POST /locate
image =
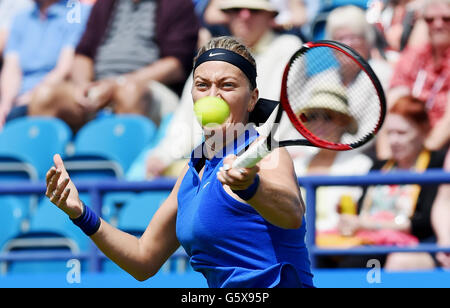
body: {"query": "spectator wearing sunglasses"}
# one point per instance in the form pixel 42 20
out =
pixel 424 72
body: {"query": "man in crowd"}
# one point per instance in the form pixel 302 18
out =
pixel 127 48
pixel 39 53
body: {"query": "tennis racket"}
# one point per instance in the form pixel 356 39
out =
pixel 330 97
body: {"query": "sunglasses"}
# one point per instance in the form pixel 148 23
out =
pixel 430 20
pixel 239 9
pixel 323 115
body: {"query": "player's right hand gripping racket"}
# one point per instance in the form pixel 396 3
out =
pixel 331 96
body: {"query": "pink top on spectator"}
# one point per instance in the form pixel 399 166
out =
pixel 427 80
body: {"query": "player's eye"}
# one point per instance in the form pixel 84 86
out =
pixel 312 116
pixel 228 85
pixel 201 85
pixel 327 117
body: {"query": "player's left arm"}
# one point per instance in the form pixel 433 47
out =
pixel 277 198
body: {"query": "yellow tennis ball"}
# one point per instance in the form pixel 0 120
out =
pixel 211 111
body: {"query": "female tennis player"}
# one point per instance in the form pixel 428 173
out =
pixel 240 227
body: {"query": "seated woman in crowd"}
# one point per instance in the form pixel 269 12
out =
pixel 423 72
pixel 315 161
pixel 400 214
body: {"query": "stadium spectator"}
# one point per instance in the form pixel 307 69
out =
pixel 440 216
pixel 213 15
pixel 425 72
pixel 315 161
pixel 128 51
pixel 398 25
pixel 312 11
pixel 439 137
pixel 400 214
pixel 39 53
pixel 213 21
pixel 251 22
pixel 262 206
pixel 348 25
pixel 8 10
pixel 291 14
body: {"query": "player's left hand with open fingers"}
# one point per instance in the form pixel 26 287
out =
pixel 61 191
pixel 236 178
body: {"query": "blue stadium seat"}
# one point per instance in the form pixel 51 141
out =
pixel 40 266
pixel 113 202
pixel 106 147
pixel 136 171
pixel 162 129
pixel 11 215
pixel 27 146
pixel 34 141
pixel 329 5
pixel 137 212
pixel 328 61
pixel 92 167
pixel 50 230
pixel 49 219
pixel 14 170
pixel 134 217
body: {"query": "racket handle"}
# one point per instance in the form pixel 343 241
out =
pixel 252 156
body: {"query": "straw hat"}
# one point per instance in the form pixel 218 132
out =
pixel 334 98
pixel 264 5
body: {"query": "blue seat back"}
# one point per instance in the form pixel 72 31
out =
pixel 11 215
pixel 92 167
pixel 137 213
pixel 35 140
pixel 162 129
pixel 48 218
pixel 41 266
pixel 134 216
pixel 113 202
pixel 329 5
pixel 117 138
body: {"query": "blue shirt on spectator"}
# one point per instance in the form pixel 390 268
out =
pixel 38 41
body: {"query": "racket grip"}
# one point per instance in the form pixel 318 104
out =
pixel 252 156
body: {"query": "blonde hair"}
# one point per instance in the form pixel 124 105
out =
pixel 352 17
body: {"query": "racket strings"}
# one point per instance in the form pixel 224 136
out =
pixel 332 97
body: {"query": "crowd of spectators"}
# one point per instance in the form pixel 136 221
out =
pixel 76 60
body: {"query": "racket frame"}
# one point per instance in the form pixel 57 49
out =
pixel 264 146
pixel 312 140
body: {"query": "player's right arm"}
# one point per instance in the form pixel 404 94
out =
pixel 141 258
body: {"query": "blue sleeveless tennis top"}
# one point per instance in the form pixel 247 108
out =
pixel 228 241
